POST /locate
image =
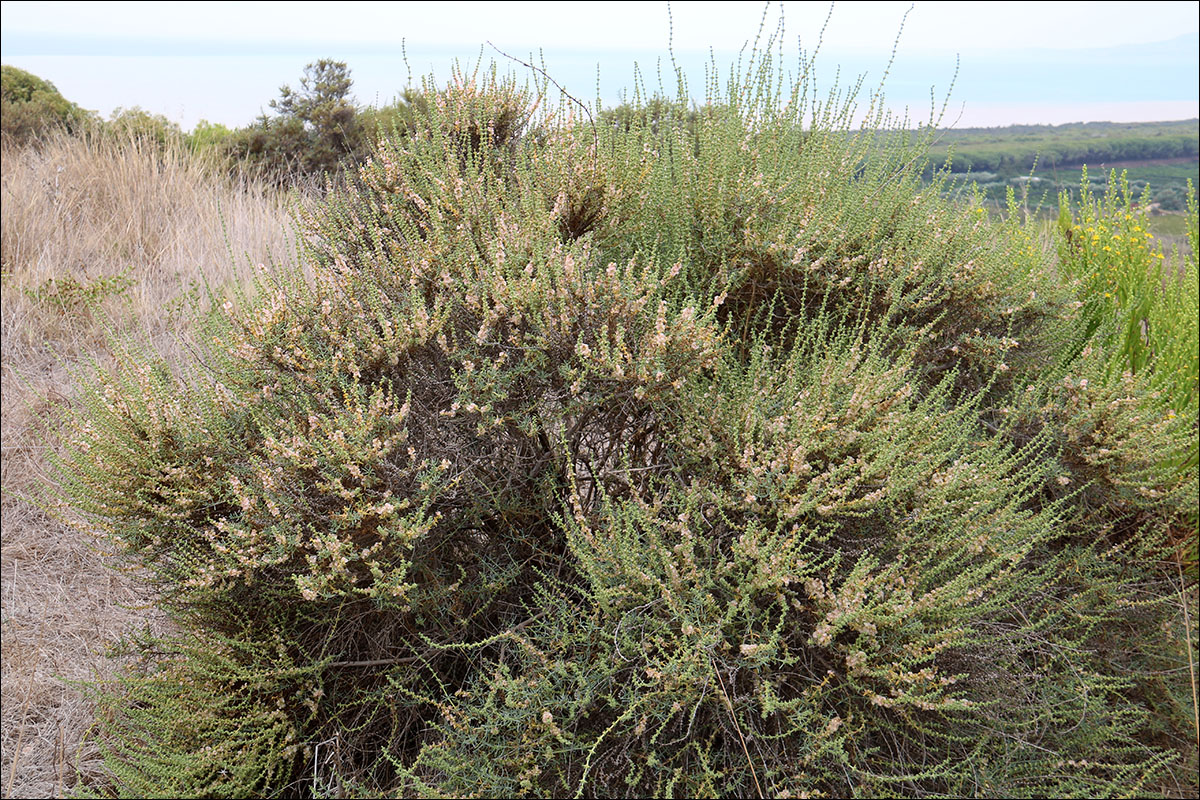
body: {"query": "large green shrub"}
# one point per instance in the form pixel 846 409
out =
pixel 701 454
pixel 30 106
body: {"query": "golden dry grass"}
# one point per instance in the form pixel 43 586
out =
pixel 99 235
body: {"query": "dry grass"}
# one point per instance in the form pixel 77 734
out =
pixel 98 235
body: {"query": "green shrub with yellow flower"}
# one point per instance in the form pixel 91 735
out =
pixel 1140 306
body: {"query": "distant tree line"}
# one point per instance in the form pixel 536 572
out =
pixel 1008 157
pixel 314 130
pixel 1014 149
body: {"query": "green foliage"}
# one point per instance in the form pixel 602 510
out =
pixel 1170 199
pixel 218 738
pixel 314 129
pixel 137 123
pixel 1015 149
pixel 394 119
pixel 1140 314
pixel 323 100
pixel 317 129
pixel 212 141
pixel 651 114
pixel 1041 160
pixel 71 295
pixel 697 454
pixel 33 106
pixel 30 106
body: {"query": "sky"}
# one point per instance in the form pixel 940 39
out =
pixel 1017 62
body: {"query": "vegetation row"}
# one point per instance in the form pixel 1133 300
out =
pixel 1019 147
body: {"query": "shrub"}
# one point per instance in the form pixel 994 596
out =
pixel 137 123
pixel 30 106
pixel 646 460
pixel 1140 317
pixel 317 129
pixel 379 122
pixel 212 141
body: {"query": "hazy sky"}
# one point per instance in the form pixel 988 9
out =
pixel 1021 61
pixel 698 25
